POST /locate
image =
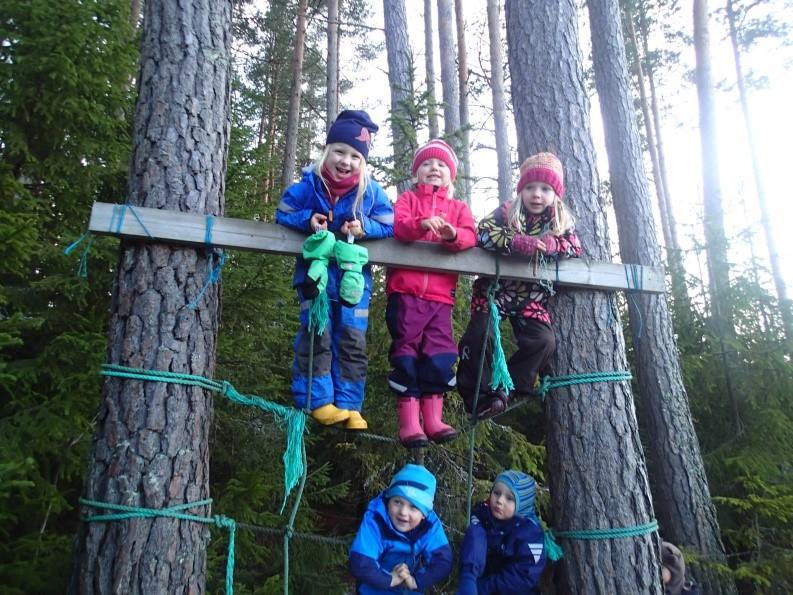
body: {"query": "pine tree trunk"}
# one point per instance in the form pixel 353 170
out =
pixel 669 204
pixel 715 238
pixel 674 259
pixel 332 95
pixel 681 489
pixel 660 191
pixel 134 13
pixel 446 49
pixel 598 478
pixel 150 448
pixel 714 214
pixel 429 55
pixel 293 115
pixel 401 82
pixel 765 219
pixel 462 74
pixel 505 191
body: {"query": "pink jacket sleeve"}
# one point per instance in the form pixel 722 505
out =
pixel 466 230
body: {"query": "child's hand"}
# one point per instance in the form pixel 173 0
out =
pixel 353 228
pixel 397 573
pixel 551 245
pixel 433 224
pixel 448 232
pixel 408 580
pixel 319 222
pixel 403 572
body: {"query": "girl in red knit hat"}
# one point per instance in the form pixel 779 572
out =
pixel 535 225
pixel 419 311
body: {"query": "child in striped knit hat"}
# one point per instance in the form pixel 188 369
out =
pixel 503 549
pixel 419 310
pixel 534 226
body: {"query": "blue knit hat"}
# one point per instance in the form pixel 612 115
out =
pixel 354 128
pixel 523 487
pixel 416 485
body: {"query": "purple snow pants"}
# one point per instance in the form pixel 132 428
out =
pixel 423 351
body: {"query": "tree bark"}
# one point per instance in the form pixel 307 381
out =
pixel 293 115
pixel 150 448
pixel 765 219
pixel 451 104
pixel 681 489
pixel 462 74
pixel 332 95
pixel 598 477
pixel 505 191
pixel 401 82
pixel 429 55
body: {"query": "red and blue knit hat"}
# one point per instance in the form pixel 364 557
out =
pixel 354 128
pixel 435 149
pixel 415 484
pixel 545 168
pixel 524 488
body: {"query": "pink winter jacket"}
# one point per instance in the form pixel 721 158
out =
pixel 411 208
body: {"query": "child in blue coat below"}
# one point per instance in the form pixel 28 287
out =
pixel 401 546
pixel 336 194
pixel 503 550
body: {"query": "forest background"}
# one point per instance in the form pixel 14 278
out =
pixel 67 91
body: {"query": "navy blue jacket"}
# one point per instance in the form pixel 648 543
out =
pixel 379 546
pixel 502 557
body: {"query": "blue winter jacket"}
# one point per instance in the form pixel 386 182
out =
pixel 306 197
pixel 501 557
pixel 379 546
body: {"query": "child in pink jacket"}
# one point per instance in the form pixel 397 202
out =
pixel 419 311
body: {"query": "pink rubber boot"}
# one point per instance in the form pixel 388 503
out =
pixel 410 433
pixel 432 412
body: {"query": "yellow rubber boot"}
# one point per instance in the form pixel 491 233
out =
pixel 356 422
pixel 329 414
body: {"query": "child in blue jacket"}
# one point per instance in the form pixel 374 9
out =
pixel 503 549
pixel 336 194
pixel 401 546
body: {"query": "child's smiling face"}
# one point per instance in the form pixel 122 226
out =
pixel 403 514
pixel 536 197
pixel 434 171
pixel 501 502
pixel 342 161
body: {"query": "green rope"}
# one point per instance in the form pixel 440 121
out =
pixel 499 371
pixel 318 313
pixel 614 533
pixel 82 268
pixel 500 376
pixel 552 549
pixel 551 382
pixel 124 512
pixel 292 421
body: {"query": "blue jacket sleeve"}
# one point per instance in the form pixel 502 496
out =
pixel 364 553
pixel 439 553
pixel 379 221
pixel 296 207
pixel 522 574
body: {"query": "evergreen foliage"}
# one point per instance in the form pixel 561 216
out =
pixel 64 105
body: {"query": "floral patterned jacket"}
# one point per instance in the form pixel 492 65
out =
pixel 515 298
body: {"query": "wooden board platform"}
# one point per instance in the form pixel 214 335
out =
pixel 189 229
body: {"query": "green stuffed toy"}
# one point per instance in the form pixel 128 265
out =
pixel 350 258
pixel 317 249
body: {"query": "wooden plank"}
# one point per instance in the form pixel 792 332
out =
pixel 241 234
